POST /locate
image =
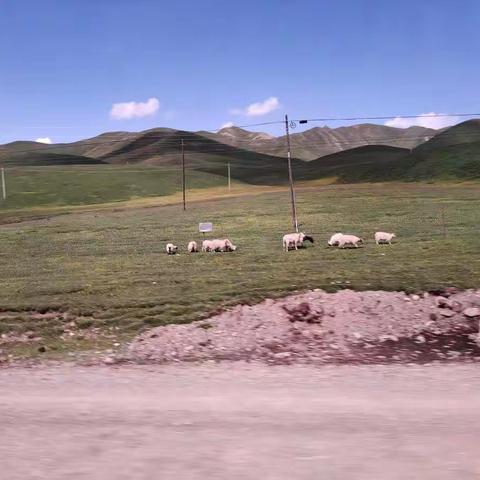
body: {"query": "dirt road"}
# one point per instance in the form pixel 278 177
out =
pixel 238 421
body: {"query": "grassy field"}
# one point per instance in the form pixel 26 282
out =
pixel 87 185
pixel 108 270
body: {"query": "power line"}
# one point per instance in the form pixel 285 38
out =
pixel 387 117
pixel 277 122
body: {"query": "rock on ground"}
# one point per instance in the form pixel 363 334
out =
pixel 320 327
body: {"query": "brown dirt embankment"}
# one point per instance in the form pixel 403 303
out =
pixel 319 327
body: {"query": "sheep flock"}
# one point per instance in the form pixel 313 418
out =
pixel 290 241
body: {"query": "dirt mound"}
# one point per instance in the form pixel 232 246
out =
pixel 320 327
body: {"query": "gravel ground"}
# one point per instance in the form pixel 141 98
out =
pixel 240 421
pixel 319 327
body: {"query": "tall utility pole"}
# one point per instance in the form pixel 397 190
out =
pixel 183 174
pixel 4 187
pixel 290 178
pixel 229 183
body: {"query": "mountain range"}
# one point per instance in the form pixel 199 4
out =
pixel 320 141
pixel 364 152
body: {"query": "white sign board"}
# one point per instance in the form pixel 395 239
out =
pixel 205 227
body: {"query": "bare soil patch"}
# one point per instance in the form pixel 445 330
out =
pixel 320 327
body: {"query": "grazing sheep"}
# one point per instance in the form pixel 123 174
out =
pixel 349 240
pixel 334 239
pixel 229 246
pixel 295 240
pixel 171 249
pixel 218 245
pixel 384 237
pixel 208 246
pixel 192 247
pixel 223 245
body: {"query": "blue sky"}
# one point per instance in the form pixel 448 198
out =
pixel 64 64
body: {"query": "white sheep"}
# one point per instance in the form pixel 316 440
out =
pixel 208 246
pixel 295 240
pixel 171 249
pixel 228 245
pixel 384 237
pixel 334 239
pixel 223 245
pixel 192 247
pixel 349 240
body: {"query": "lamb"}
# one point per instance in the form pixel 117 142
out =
pixel 171 249
pixel 192 247
pixel 349 240
pixel 384 237
pixel 334 239
pixel 296 240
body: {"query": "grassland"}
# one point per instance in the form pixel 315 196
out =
pixel 108 269
pixel 30 187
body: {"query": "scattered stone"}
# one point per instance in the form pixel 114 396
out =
pixel 108 360
pixel 42 349
pixel 420 339
pixel 282 355
pixel 415 297
pixel 447 313
pixel 456 306
pixel 472 312
pixel 384 338
pixel 441 302
pixel 304 313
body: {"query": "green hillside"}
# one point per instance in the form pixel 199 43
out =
pixel 362 164
pixel 162 147
pixel 463 133
pixel 46 158
pixel 454 162
pixel 453 154
pixel 87 185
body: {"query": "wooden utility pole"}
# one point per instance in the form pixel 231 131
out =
pixel 183 175
pixel 4 186
pixel 290 178
pixel 229 183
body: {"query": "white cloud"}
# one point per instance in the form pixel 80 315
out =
pixel 428 120
pixel 226 125
pixel 47 140
pixel 259 108
pixel 126 110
